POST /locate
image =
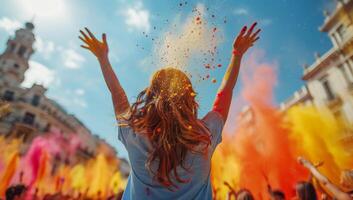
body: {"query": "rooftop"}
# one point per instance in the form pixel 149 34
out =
pixel 343 7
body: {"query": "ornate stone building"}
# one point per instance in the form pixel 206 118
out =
pixel 31 112
pixel 329 80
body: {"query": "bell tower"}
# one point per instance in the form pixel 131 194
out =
pixel 14 61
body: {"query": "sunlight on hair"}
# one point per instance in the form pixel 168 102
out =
pixel 44 9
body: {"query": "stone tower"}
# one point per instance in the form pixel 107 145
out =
pixel 14 61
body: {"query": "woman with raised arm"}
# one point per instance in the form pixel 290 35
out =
pixel 169 148
pixel 336 192
pixel 100 50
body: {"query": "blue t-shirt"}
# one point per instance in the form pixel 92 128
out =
pixel 140 183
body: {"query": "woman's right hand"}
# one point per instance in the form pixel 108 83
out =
pixel 98 48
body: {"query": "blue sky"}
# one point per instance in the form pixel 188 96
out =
pixel 289 37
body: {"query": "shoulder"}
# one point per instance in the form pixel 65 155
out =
pixel 214 122
pixel 213 118
pixel 124 129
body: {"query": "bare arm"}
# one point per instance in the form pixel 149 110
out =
pixel 119 98
pixel 242 43
pixel 100 50
pixel 336 192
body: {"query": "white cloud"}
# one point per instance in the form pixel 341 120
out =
pixel 9 25
pixel 265 22
pixel 45 48
pixel 241 11
pixel 80 102
pixel 137 17
pixel 80 91
pixel 72 59
pixel 245 12
pixel 68 98
pixel 44 10
pixel 38 73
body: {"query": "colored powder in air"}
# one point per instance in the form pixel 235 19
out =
pixel 260 148
pixel 34 161
pixel 187 41
pixel 9 173
pixel 318 134
pixel 117 183
pixel 100 176
pixel 78 178
pixel 42 169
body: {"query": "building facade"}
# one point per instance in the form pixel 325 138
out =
pixel 329 80
pixel 31 112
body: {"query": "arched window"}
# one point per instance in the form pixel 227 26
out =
pixel 328 89
pixel 35 100
pixel 29 118
pixel 21 51
pixel 8 95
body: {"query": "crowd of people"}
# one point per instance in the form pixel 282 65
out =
pixel 20 192
pixel 318 186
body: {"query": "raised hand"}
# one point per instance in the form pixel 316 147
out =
pixel 245 39
pixel 305 162
pixel 336 192
pixel 241 44
pixel 319 164
pixel 98 48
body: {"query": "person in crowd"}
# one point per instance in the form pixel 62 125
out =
pixel 232 192
pixel 244 194
pixel 277 195
pixel 119 195
pixel 16 192
pixel 169 148
pixel 336 192
pixel 346 180
pixel 274 194
pixel 305 191
pixel 215 192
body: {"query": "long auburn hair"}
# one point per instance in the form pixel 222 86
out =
pixel 166 112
